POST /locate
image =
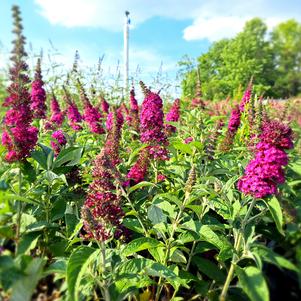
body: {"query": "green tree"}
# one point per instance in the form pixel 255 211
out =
pixel 229 64
pixel 286 45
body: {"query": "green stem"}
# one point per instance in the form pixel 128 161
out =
pixel 19 211
pixel 237 244
pixel 106 294
pixel 134 209
pixel 168 246
pixel 190 255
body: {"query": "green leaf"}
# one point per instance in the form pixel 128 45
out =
pixel 182 147
pixel 253 283
pixel 28 242
pixel 68 157
pixel 158 253
pixel 276 212
pixel 25 286
pixel 274 258
pixel 132 224
pixel 128 283
pixel 177 256
pixel 140 244
pixel 156 215
pixel 21 198
pixel 140 185
pixel 134 265
pixel 159 270
pixel 40 157
pixel 58 267
pixel 170 197
pixel 209 268
pixel 76 267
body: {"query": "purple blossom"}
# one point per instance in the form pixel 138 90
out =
pixel 59 141
pixel 74 116
pixel 152 125
pixel 18 136
pixel 234 121
pixel 38 97
pixel 109 121
pixel 102 213
pixel 265 171
pixel 246 97
pixel 38 94
pixel 173 115
pixel 93 117
pixel 57 116
pixel 139 170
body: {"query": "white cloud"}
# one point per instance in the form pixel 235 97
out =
pixel 212 19
pixel 225 19
pixel 109 14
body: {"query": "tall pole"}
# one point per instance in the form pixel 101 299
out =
pixel 126 52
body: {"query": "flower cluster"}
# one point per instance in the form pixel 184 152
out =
pixel 134 111
pixel 59 140
pixel 57 116
pixel 151 124
pixel 139 170
pixel 114 125
pixel 173 115
pixel 246 97
pixel 104 106
pixel 212 140
pixel 119 119
pixel 38 94
pixel 233 126
pixel 234 121
pixel 197 101
pixel 102 213
pixel 73 114
pixel 265 171
pixel 18 136
pixel 91 115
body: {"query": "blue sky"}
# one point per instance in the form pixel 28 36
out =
pixel 161 30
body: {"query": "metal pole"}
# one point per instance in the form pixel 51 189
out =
pixel 126 53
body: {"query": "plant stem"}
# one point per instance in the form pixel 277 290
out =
pixel 190 255
pixel 132 206
pixel 237 244
pixel 105 287
pixel 19 211
pixel 168 246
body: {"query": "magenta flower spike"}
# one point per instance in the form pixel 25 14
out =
pixel 18 136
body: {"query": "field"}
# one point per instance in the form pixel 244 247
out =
pixel 146 199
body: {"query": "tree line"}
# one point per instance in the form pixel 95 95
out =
pixel 272 59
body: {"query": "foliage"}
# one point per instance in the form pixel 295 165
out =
pixel 185 232
pixel 274 63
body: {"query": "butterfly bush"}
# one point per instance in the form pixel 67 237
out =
pixel 57 116
pixel 102 213
pixel 59 140
pixel 246 97
pixel 234 121
pixel 38 94
pixel 18 136
pixel 265 172
pixel 134 111
pixel 105 107
pixel 138 171
pixel 233 125
pixel 173 115
pixel 73 114
pixel 111 148
pixel 91 115
pixel 110 119
pixel 152 125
